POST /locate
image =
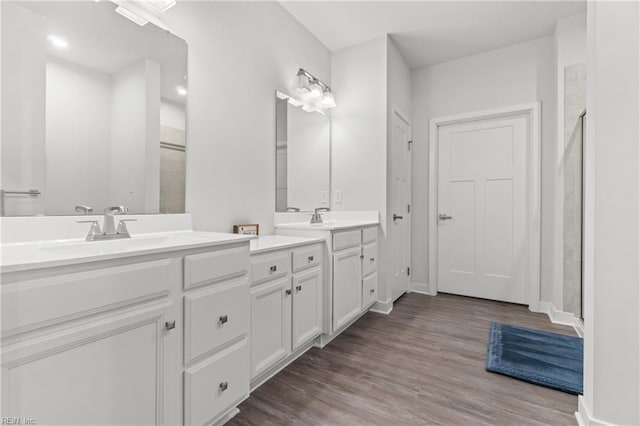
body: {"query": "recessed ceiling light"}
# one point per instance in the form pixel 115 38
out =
pixel 58 42
pixel 131 16
pixel 181 91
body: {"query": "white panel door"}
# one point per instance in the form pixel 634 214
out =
pixel 400 227
pixel 307 306
pixel 347 285
pixel 482 249
pixel 270 324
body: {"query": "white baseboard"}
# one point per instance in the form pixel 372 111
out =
pixel 382 307
pixel 560 317
pixel 584 416
pixel 421 288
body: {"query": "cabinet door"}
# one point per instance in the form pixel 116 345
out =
pixel 307 306
pixel 270 324
pixel 347 286
pixel 108 372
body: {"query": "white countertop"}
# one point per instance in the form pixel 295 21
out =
pixel 45 254
pixel 274 242
pixel 328 225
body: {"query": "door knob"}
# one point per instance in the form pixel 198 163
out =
pixel 444 217
pixel 396 217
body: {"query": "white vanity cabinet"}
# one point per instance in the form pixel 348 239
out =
pixel 286 304
pixel 96 346
pixel 149 339
pixel 352 270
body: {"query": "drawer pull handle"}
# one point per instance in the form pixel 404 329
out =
pixel 224 386
pixel 170 325
pixel 273 268
pixel 373 259
pixel 372 291
pixel 287 292
pixel 299 288
pixel 224 319
pixel 310 258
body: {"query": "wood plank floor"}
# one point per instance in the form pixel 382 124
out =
pixel 422 364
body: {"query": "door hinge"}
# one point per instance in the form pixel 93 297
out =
pixel 408 208
pixel 408 271
pixel 409 145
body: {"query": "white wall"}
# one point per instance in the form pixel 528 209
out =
pixel 512 75
pixel 358 127
pixel 23 128
pixel 135 136
pixel 172 114
pixel 78 109
pixel 239 54
pixel 570 45
pixel 612 240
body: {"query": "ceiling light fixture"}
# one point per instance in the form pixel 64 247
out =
pixel 313 90
pixel 131 16
pixel 58 42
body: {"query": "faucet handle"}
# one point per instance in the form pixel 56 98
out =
pixel 122 226
pixel 94 230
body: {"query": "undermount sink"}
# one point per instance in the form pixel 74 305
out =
pixel 101 247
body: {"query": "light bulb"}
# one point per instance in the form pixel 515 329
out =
pixel 327 101
pixel 315 90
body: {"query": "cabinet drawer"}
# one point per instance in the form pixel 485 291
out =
pixel 206 268
pixel 370 259
pixel 369 235
pixel 215 385
pixel 271 265
pixel 214 316
pixel 369 290
pixel 346 239
pixel 306 257
pixel 28 305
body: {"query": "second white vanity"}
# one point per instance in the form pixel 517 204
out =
pixel 351 270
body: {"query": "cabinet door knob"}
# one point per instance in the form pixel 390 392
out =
pixel 273 268
pixel 299 287
pixel 373 259
pixel 224 319
pixel 362 256
pixel 310 258
pixel 170 325
pixel 287 292
pixel 224 386
pixel 372 291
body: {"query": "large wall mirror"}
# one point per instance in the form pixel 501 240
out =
pixel 93 111
pixel 303 150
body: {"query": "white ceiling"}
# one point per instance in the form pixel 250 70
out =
pixel 431 32
pixel 102 40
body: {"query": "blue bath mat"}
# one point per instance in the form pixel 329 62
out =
pixel 539 357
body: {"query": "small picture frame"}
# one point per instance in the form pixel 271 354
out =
pixel 247 229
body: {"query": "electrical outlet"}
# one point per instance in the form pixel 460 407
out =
pixel 338 197
pixel 324 197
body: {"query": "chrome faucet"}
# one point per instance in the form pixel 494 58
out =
pixel 110 231
pixel 84 209
pixel 316 217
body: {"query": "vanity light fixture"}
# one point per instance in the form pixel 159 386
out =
pixel 131 16
pixel 181 91
pixel 58 42
pixel 313 90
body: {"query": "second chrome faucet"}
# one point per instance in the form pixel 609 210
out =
pixel 111 232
